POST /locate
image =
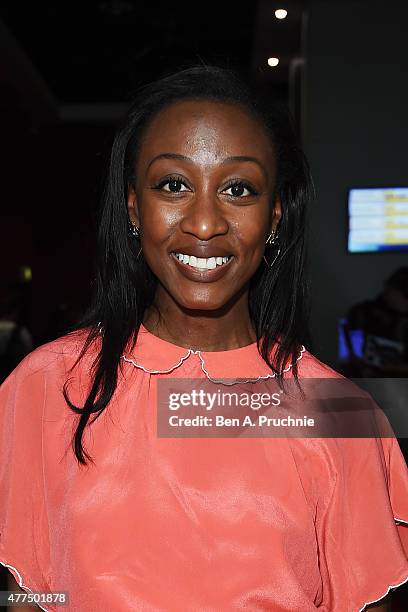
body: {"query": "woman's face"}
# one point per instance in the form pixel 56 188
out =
pixel 205 179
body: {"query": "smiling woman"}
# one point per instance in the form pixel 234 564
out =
pixel 214 196
pixel 201 279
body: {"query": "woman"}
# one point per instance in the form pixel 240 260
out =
pixel 201 276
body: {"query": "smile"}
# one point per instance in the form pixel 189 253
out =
pixel 202 263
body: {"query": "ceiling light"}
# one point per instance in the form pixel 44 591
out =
pixel 281 13
pixel 273 61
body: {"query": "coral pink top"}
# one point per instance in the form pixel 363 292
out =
pixel 193 524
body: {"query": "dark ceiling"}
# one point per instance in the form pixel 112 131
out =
pixel 99 51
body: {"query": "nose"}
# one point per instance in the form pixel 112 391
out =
pixel 205 217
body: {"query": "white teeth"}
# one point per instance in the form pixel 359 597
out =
pixel 202 263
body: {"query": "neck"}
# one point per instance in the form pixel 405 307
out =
pixel 220 329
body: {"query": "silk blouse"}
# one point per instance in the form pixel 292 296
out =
pixel 189 524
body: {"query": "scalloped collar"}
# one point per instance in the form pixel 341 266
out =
pixel 156 356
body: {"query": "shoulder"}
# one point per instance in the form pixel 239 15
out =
pixel 54 357
pixel 348 419
pixel 34 391
pixel 309 366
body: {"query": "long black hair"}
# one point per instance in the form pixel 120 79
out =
pixel 125 286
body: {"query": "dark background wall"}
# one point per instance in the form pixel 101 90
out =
pixel 356 134
pixel 67 73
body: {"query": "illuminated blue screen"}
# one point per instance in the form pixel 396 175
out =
pixel 378 219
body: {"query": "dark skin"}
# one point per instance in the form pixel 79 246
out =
pixel 198 208
pixel 204 211
pixel 201 210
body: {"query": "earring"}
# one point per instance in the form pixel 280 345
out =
pixel 271 238
pixel 134 230
pixel 271 241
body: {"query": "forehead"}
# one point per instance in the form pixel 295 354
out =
pixel 221 127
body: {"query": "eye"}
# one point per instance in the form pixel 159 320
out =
pixel 172 184
pixel 239 189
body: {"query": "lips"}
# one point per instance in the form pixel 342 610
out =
pixel 202 274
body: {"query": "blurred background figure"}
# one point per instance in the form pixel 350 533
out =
pixel 376 331
pixel 15 339
pixel 374 344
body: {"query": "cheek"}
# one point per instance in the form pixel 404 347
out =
pixel 158 222
pixel 249 231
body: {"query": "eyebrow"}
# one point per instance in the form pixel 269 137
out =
pixel 227 160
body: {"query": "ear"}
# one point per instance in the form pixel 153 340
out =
pixel 132 206
pixel 277 213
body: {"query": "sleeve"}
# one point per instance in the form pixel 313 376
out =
pixel 362 530
pixel 24 533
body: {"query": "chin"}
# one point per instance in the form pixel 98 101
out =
pixel 195 303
